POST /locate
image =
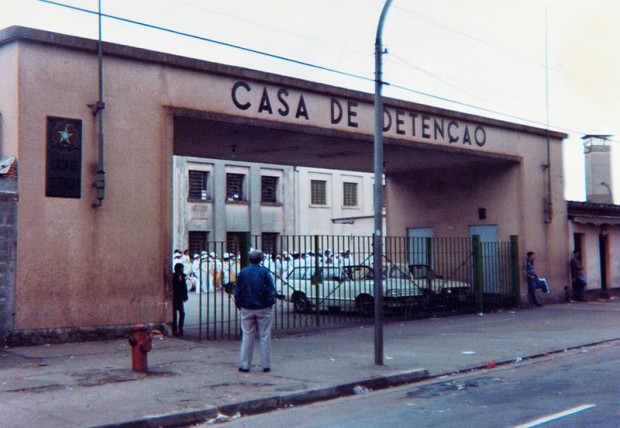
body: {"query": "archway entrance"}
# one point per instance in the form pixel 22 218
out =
pixel 232 147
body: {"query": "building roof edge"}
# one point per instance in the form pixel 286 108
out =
pixel 32 35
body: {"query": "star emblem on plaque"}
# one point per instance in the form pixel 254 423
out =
pixel 63 165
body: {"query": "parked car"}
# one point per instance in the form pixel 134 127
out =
pixel 344 287
pixel 438 288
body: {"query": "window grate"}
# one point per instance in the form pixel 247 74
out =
pixel 234 187
pixel 197 242
pixel 197 188
pixel 269 189
pixel 349 194
pixel 233 242
pixel 270 243
pixel 318 192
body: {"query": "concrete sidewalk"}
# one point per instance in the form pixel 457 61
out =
pixel 91 384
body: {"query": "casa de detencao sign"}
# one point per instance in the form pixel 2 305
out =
pixel 262 101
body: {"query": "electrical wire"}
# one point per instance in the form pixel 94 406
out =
pixel 276 29
pixel 318 67
pixel 439 79
pixel 206 39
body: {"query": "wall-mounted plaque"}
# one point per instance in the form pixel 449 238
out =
pixel 63 165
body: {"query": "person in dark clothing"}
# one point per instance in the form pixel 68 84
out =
pixel 533 280
pixel 579 279
pixel 255 295
pixel 179 296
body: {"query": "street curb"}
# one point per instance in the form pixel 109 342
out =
pixel 521 359
pixel 269 404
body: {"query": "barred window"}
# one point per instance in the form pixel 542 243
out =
pixel 234 187
pixel 197 241
pixel 349 194
pixel 269 243
pixel 197 188
pixel 318 192
pixel 269 189
pixel 233 242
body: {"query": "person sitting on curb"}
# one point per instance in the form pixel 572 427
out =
pixel 533 280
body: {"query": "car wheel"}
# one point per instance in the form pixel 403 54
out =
pixel 365 305
pixel 301 303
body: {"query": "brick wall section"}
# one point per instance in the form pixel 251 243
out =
pixel 8 255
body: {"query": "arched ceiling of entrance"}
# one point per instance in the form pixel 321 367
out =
pixel 312 147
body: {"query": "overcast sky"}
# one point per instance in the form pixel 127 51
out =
pixel 485 53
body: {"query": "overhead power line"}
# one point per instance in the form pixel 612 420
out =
pixel 206 39
pixel 314 66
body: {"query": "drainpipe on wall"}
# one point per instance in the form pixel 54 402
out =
pixel 547 167
pixel 98 108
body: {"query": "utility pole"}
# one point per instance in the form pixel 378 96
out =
pixel 378 192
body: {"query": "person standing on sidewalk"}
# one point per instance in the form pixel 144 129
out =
pixel 533 280
pixel 255 295
pixel 179 297
pixel 579 279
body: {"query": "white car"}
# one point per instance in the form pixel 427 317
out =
pixel 344 287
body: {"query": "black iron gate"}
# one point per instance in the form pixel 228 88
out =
pixel 328 280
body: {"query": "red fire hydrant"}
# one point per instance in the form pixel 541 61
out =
pixel 140 341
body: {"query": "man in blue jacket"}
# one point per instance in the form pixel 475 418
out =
pixel 255 295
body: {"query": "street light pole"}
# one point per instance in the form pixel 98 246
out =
pixel 378 193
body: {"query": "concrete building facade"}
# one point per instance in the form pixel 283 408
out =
pixel 214 199
pixel 447 173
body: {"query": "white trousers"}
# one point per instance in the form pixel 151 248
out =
pixel 255 322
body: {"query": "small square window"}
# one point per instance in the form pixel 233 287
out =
pixel 234 187
pixel 318 194
pixel 269 189
pixel 197 186
pixel 197 241
pixel 349 194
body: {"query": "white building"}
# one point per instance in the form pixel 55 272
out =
pixel 218 200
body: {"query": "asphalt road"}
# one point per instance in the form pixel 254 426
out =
pixel 579 388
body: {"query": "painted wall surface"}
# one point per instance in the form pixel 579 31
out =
pixel 513 195
pixel 313 219
pixel 252 215
pixel 249 215
pixel 9 133
pixel 71 257
pixel 599 183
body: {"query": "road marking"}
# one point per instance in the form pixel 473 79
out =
pixel 555 416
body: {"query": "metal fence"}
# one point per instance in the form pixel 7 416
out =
pixel 326 281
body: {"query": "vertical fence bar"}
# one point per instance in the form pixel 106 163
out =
pixel 514 269
pixel 476 245
pixel 316 281
pixel 200 299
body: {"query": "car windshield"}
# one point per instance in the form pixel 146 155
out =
pixel 419 271
pixel 357 273
pixel 395 272
pixel 338 274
